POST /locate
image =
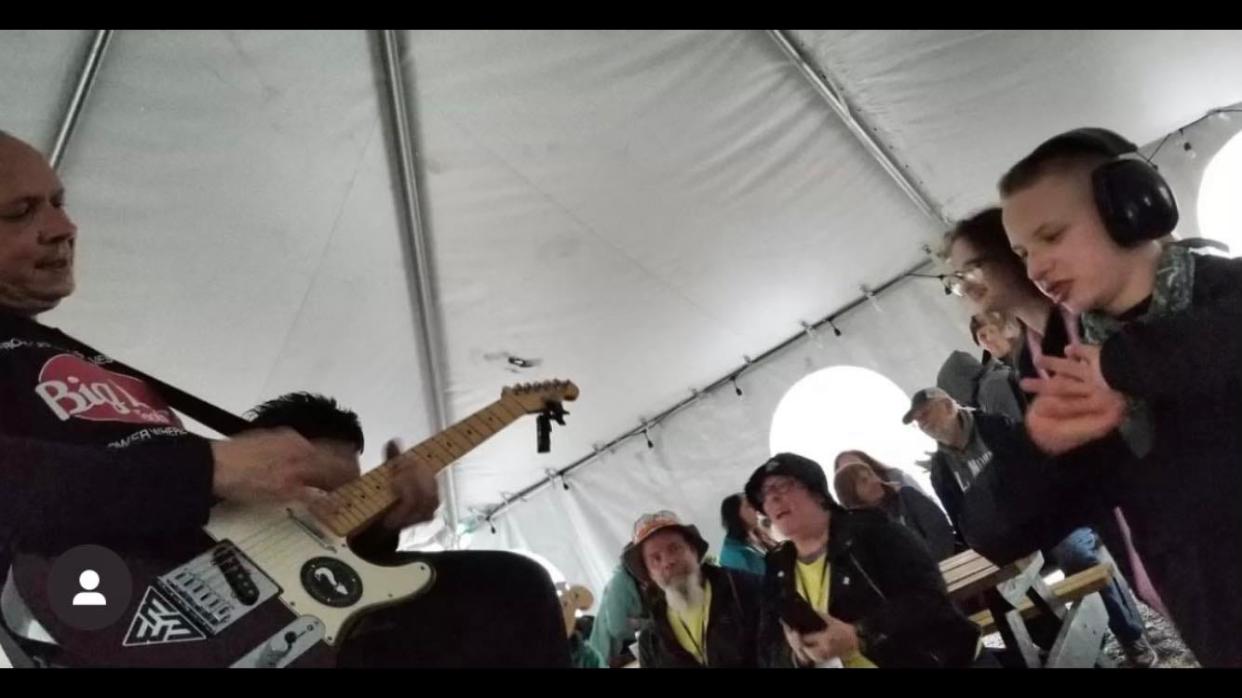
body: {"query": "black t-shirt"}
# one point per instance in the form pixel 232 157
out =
pixel 88 452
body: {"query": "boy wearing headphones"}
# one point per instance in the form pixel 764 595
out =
pixel 1156 376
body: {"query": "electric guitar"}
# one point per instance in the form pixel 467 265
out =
pixel 269 586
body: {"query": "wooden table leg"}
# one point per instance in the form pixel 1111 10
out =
pixel 1013 631
pixel 1080 643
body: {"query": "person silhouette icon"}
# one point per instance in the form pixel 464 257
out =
pixel 89 579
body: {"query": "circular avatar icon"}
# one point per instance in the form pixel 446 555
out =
pixel 89 587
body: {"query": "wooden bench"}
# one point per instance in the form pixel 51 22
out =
pixel 1070 589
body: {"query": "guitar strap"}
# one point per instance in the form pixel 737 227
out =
pixel 202 411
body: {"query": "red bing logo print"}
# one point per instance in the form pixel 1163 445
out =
pixel 72 387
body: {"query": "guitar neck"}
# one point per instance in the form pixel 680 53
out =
pixel 361 502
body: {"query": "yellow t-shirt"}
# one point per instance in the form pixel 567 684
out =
pixel 813 580
pixel 690 628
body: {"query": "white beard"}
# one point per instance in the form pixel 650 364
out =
pixel 685 592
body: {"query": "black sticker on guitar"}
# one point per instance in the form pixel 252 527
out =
pixel 158 622
pixel 331 582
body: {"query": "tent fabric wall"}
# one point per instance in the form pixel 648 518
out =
pixel 238 233
pixel 638 210
pixel 960 106
pixel 38 77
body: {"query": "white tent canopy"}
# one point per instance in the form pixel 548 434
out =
pixel 633 210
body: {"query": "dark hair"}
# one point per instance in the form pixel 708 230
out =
pixel 975 326
pixel 876 466
pixel 1056 155
pixel 583 626
pixel 986 233
pixel 731 517
pixel 845 481
pixel 312 416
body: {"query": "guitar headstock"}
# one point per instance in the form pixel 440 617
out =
pixel 573 599
pixel 534 397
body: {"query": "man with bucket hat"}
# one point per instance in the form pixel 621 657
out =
pixel 702 615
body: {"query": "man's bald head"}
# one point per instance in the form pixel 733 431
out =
pixel 36 235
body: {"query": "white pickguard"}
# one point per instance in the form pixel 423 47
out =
pixel 279 546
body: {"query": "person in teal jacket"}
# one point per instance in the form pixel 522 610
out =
pixel 745 541
pixel 581 654
pixel 621 613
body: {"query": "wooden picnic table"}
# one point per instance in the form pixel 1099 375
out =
pixel 1010 591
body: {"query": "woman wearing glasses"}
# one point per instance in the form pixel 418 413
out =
pixel 993 279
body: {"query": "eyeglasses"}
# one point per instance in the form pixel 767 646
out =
pixel 778 487
pixel 972 273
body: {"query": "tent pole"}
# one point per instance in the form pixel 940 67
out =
pixel 419 271
pixel 857 126
pixel 86 81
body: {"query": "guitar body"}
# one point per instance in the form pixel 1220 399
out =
pixel 270 586
pixel 259 587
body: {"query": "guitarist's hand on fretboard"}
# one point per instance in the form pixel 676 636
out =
pixel 415 486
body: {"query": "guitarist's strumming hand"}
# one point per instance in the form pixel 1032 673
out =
pixel 272 465
pixel 415 486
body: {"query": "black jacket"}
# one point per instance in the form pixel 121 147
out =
pixel 918 513
pixel 84 447
pixel 1010 516
pixel 732 626
pixel 885 583
pixel 1018 464
pixel 1181 499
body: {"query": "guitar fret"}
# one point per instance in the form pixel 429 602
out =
pixel 491 420
pixel 369 511
pixel 465 432
pixel 345 517
pixel 426 453
pixel 454 448
pixel 360 502
pixel 507 412
pixel 442 457
pixel 480 426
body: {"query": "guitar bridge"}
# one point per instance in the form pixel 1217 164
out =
pixel 218 587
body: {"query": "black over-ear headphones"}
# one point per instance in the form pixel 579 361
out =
pixel 1134 201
